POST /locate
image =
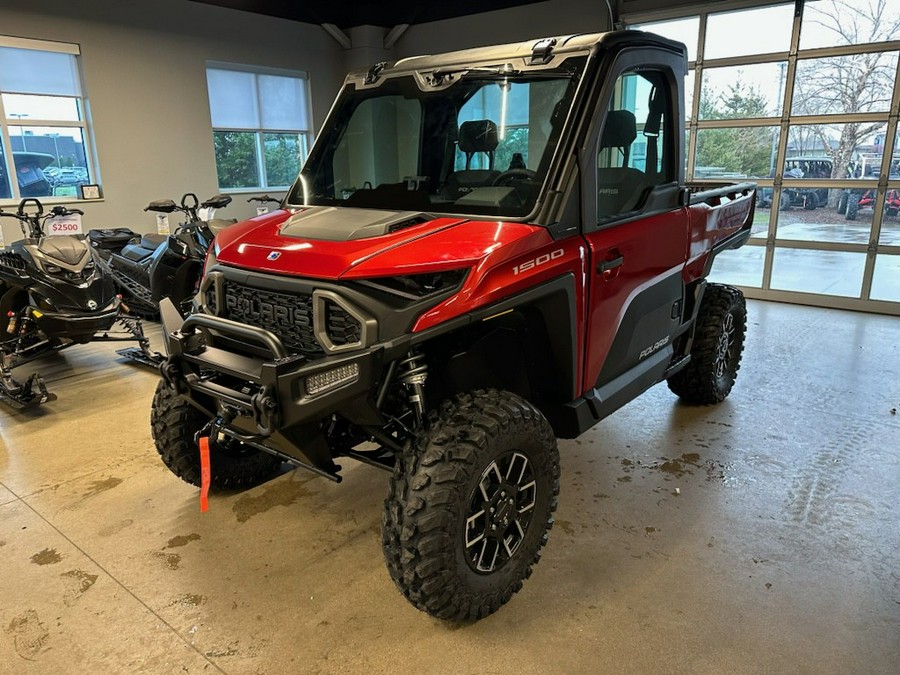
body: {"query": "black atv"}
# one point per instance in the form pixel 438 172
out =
pixel 53 296
pixel 149 267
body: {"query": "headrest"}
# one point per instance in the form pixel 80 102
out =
pixel 620 129
pixel 478 136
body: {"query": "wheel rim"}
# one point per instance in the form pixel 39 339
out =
pixel 724 347
pixel 500 511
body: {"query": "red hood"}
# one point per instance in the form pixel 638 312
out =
pixel 432 246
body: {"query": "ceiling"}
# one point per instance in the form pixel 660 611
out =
pixel 349 13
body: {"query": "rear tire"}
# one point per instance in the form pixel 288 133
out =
pixel 717 347
pixel 174 423
pixel 810 201
pixel 842 203
pixel 785 203
pixel 470 504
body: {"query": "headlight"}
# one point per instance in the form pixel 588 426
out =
pixel 418 286
pixel 51 269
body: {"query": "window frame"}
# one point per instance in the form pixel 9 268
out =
pixel 796 56
pixel 662 197
pixel 83 123
pixel 305 136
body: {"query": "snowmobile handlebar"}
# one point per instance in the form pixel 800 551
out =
pixel 34 221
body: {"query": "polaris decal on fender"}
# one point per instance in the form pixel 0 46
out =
pixel 536 262
pixel 652 348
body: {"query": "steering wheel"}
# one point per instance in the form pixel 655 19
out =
pixel 513 175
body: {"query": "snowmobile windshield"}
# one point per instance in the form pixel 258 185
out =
pixel 475 141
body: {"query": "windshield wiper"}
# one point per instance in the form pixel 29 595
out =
pixel 436 77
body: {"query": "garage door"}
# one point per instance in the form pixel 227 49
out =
pixel 803 98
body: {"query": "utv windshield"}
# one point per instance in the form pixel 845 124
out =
pixel 481 145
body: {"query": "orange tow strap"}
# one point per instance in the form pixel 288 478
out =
pixel 205 474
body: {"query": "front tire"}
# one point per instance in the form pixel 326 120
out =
pixel 852 207
pixel 717 347
pixel 174 423
pixel 470 505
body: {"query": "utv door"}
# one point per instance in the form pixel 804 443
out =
pixel 635 226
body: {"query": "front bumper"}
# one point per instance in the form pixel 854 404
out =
pixel 278 399
pixel 77 327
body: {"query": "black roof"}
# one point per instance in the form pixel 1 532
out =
pixel 349 13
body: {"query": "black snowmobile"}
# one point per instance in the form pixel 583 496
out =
pixel 149 267
pixel 53 296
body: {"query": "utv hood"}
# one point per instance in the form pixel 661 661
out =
pixel 335 242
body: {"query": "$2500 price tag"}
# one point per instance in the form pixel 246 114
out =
pixel 70 224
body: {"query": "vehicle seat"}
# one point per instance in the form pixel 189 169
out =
pixel 216 225
pixel 620 188
pixel 474 136
pixel 152 241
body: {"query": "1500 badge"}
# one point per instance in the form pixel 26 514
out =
pixel 537 262
pixel 652 348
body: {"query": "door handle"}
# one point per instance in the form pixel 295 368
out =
pixel 608 265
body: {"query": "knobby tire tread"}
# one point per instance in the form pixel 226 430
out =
pixel 697 383
pixel 174 422
pixel 428 489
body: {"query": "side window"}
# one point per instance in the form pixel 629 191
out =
pixel 633 154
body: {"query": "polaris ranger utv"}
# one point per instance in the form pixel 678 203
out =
pixel 485 251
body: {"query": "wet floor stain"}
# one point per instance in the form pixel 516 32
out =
pixel 188 600
pixel 170 560
pixel 182 540
pixel 99 486
pixel 48 556
pixel 2 543
pixel 565 526
pixel 77 583
pixel 280 493
pixel 115 528
pixel 29 634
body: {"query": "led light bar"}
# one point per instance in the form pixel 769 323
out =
pixel 331 379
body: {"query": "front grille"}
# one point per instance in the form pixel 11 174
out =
pixel 12 260
pixel 343 329
pixel 288 315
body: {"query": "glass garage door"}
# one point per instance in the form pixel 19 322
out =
pixel 804 100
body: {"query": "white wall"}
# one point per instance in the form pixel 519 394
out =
pixel 143 65
pixel 542 19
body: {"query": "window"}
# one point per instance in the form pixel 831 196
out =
pixel 260 126
pixel 509 104
pixel 632 156
pixel 798 97
pixel 43 127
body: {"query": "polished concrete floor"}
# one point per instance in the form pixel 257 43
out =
pixel 759 536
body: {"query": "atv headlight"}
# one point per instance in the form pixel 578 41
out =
pixel 419 286
pixel 52 269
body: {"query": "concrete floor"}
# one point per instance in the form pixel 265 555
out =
pixel 757 536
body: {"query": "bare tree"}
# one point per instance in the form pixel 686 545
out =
pixel 856 83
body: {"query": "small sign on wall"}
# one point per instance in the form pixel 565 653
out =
pixel 70 224
pixel 162 223
pixel 262 210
